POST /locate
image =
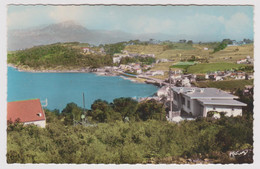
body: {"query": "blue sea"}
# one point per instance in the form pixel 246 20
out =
pixel 62 88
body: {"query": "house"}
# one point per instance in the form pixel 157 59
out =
pixel 185 82
pixel 240 75
pixel 150 55
pixel 154 73
pixel 138 71
pixel 162 60
pixel 116 59
pixel 102 50
pixel 242 61
pixel 85 50
pixel 163 91
pixel 218 78
pixel 206 48
pixel 27 111
pixel 199 101
pixel 215 76
pixel 177 71
pixel 122 66
pixel 176 76
pixel 248 90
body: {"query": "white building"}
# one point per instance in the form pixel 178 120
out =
pixel 241 61
pixel 176 76
pixel 163 91
pixel 218 78
pixel 138 71
pixel 116 59
pixel 240 76
pixel 157 72
pixel 185 82
pixel 199 101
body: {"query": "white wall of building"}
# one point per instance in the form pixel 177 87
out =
pixel 201 110
pixel 41 123
pixel 237 111
pixel 116 59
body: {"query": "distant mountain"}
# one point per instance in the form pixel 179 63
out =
pixel 71 31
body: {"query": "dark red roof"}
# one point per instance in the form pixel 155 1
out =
pixel 26 110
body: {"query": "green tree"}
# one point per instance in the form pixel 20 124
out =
pixel 151 109
pixel 125 106
pixel 103 112
pixel 71 112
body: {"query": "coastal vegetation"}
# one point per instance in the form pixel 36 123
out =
pixel 51 56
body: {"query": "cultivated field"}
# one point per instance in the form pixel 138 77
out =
pixel 210 67
pixel 226 84
pixel 230 54
pixel 221 60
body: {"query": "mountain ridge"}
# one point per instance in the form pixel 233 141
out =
pixel 71 31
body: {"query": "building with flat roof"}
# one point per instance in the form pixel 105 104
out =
pixel 199 101
pixel 27 111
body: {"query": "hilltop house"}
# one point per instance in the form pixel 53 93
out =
pixel 247 60
pixel 27 111
pixel 199 101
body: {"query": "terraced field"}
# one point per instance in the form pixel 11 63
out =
pixel 230 54
pixel 210 67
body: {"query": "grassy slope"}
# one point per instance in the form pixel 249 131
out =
pixel 180 52
pixel 231 51
pixel 226 85
pixel 208 67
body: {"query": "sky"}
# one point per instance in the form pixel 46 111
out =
pixel 212 22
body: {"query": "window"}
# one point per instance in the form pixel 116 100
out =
pixel 39 114
pixel 188 104
pixel 232 109
pixel 183 100
pixel 214 108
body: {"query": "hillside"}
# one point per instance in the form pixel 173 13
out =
pixel 181 51
pixel 62 55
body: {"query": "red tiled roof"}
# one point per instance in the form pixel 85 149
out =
pixel 26 110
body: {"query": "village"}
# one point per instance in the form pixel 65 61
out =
pixel 175 87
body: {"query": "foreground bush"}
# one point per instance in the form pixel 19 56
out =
pixel 127 142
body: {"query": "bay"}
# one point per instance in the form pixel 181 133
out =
pixel 62 88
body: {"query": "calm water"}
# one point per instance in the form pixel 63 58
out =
pixel 63 88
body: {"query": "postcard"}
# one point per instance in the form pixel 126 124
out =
pixel 129 84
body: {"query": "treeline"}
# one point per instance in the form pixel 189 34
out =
pixel 124 109
pixel 57 55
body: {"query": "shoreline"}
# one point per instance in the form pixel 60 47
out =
pixel 86 70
